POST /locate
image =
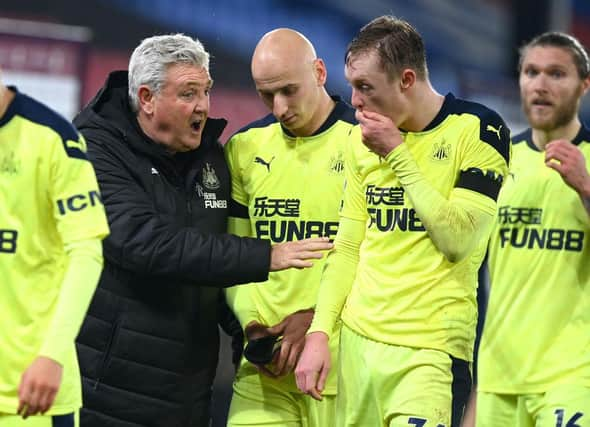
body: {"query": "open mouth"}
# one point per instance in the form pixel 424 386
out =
pixel 196 125
pixel 541 103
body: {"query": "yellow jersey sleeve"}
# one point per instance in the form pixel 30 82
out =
pixel 339 272
pixel 77 207
pixel 353 205
pixel 338 275
pixel 77 288
pixel 455 225
pixel 486 156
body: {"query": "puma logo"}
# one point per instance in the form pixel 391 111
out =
pixel 493 129
pixel 264 162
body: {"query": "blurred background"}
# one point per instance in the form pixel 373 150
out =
pixel 60 51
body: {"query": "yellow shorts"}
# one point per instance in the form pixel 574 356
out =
pixel 562 406
pixel 387 385
pixel 68 420
pixel 258 400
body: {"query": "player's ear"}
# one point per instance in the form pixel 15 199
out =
pixel 408 79
pixel 585 85
pixel 321 73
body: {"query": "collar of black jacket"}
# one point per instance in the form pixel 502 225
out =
pixel 110 110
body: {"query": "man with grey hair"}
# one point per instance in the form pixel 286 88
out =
pixel 148 346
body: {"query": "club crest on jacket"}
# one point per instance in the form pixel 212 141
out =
pixel 210 180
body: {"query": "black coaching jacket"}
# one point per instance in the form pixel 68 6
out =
pixel 149 343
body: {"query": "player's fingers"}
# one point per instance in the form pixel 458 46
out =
pixel 552 159
pixel 321 384
pixel 316 245
pixel 309 255
pixel 367 136
pixel 553 156
pixel 46 399
pixel 31 410
pixel 316 394
pixel 300 379
pixel 33 404
pixel 302 374
pixel 25 393
pixel 292 360
pixel 22 403
pixel 36 397
pixel 299 382
pixel 555 166
pixel 306 381
pixel 283 357
pixel 43 399
pixel 313 392
pixel 22 406
pixel 366 131
pixel 313 240
pixel 373 116
pixel 277 329
pixel 558 152
pixel 359 116
pixel 301 264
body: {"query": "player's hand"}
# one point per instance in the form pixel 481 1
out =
pixel 298 254
pixel 314 364
pixel 379 133
pixel 293 329
pixel 568 160
pixel 256 330
pixel 38 386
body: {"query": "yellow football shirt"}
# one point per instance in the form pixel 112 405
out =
pixel 48 198
pixel 289 188
pixel 405 291
pixel 538 317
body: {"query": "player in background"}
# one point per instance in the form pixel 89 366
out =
pixel 534 359
pixel 423 172
pixel 51 225
pixel 287 178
